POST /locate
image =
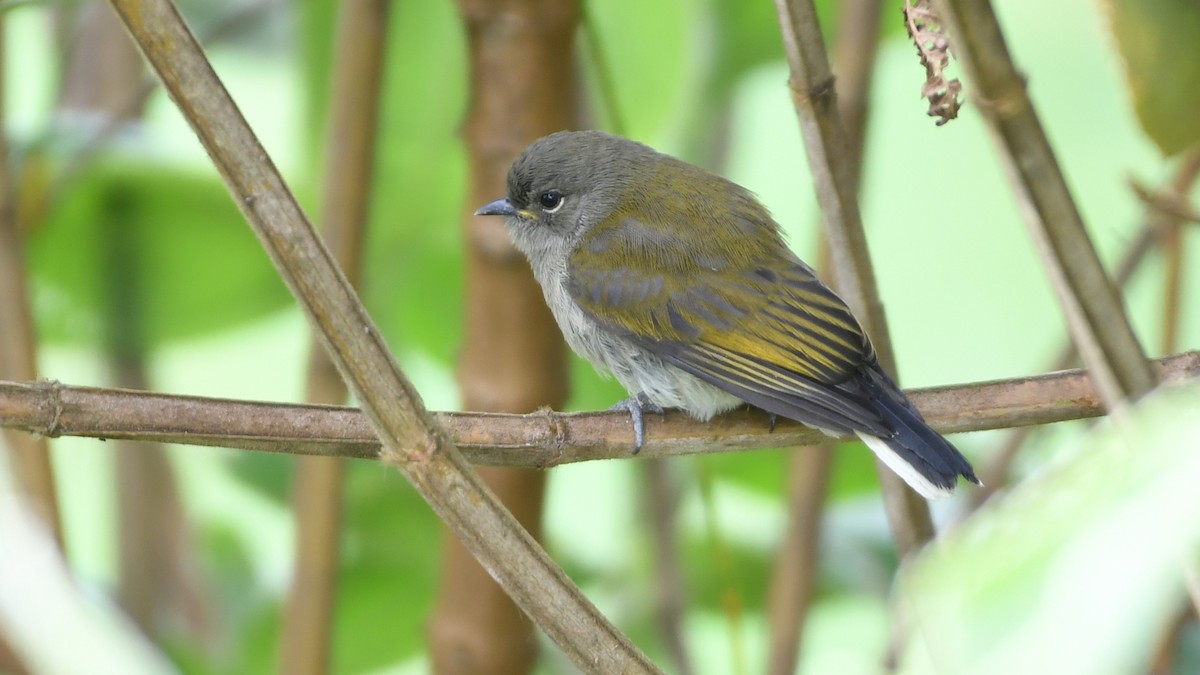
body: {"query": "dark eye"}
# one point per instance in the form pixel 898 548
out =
pixel 551 201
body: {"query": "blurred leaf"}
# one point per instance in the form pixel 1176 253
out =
pixel 1159 42
pixel 854 472
pixel 175 234
pixel 390 571
pixel 748 36
pixel 269 474
pixel 635 35
pixel 1076 572
pixel 710 584
pixel 763 471
pixel 413 268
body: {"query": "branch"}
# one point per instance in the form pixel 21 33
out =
pixel 1090 302
pixel 833 171
pixel 542 439
pixel 318 482
pixel 411 440
pixel 28 457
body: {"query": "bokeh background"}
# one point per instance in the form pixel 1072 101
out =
pixel 965 295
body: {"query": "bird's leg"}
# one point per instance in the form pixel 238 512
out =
pixel 637 405
pixel 772 419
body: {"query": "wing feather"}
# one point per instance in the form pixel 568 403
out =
pixel 742 313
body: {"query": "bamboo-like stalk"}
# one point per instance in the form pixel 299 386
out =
pixel 662 496
pixel 317 486
pixel 512 358
pixel 829 159
pixel 29 456
pixel 542 439
pixel 411 440
pixel 157 581
pixel 1090 303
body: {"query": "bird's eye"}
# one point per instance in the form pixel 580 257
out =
pixel 552 201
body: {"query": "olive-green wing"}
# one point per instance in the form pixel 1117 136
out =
pixel 740 312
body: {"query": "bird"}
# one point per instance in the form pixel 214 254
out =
pixel 680 284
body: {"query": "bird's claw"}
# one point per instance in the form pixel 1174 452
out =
pixel 637 406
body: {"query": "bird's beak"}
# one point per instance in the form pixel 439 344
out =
pixel 500 207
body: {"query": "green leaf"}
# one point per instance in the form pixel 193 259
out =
pixel 1159 42
pixel 149 253
pixel 1078 571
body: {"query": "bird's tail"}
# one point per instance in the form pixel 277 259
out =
pixel 917 453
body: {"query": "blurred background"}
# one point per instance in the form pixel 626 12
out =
pixel 142 273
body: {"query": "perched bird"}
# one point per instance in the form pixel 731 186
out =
pixel 680 284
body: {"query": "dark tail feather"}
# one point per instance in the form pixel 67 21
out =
pixel 925 460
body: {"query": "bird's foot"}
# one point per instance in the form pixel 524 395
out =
pixel 772 419
pixel 637 406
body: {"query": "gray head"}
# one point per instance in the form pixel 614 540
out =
pixel 565 182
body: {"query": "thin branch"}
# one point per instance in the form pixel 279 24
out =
pixel 542 439
pixel 412 441
pixel 1092 307
pixel 794 574
pixel 317 484
pixel 830 161
pixel 1170 227
pixel 662 496
pixel 30 457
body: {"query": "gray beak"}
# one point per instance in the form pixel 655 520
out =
pixel 500 207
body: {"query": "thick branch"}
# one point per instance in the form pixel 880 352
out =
pixel 541 439
pixel 411 439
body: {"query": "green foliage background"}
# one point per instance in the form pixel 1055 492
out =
pixel 965 296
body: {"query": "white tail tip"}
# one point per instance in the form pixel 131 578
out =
pixel 903 469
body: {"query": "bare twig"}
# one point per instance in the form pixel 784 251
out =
pixel 1090 302
pixel 541 439
pixel 663 494
pixel 317 486
pixel 793 578
pixel 833 175
pixel 1170 204
pixel 1170 228
pixel 411 440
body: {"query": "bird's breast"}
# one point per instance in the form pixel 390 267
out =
pixel 636 368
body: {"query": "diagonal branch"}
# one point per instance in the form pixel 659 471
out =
pixel 411 440
pixel 1089 300
pixel 541 439
pixel 833 172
